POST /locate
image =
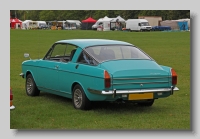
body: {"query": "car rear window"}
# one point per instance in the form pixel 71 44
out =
pixel 113 52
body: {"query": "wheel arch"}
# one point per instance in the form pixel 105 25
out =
pixel 78 83
pixel 29 72
pixel 30 85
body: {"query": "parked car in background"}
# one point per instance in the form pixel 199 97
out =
pixel 89 70
pixel 161 28
pixel 11 100
pixel 43 26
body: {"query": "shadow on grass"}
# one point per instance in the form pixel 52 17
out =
pixel 119 107
pixel 55 98
pixel 106 106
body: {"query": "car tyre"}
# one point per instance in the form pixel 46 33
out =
pixel 31 88
pixel 147 103
pixel 79 99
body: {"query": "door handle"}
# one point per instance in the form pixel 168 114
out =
pixel 77 66
pixel 56 67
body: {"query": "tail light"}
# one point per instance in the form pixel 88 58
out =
pixel 174 77
pixel 107 79
pixel 11 103
pixel 11 97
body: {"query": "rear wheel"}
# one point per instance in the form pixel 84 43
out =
pixel 79 99
pixel 31 88
pixel 146 103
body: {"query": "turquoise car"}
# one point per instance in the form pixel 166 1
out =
pixel 90 70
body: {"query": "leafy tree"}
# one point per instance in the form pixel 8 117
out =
pixel 47 15
pixel 50 15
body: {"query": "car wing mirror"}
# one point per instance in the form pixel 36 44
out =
pixel 26 55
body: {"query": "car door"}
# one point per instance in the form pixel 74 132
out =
pixel 66 70
pixel 49 67
pixel 49 74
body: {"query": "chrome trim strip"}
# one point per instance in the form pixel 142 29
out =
pixel 53 90
pixel 94 91
pixel 141 78
pixel 110 92
pixel 140 83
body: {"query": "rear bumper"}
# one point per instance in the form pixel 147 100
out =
pixel 136 91
pixel 12 107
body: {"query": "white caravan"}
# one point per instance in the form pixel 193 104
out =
pixel 70 25
pixel 42 25
pixel 77 23
pixel 138 25
pixel 29 24
pixel 25 24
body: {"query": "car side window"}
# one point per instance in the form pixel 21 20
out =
pixel 86 59
pixel 60 52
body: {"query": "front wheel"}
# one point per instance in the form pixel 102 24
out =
pixel 79 99
pixel 31 88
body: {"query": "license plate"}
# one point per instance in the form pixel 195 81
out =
pixel 140 96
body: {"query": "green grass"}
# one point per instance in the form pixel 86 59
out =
pixel 48 111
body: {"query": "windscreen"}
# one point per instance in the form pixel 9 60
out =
pixel 144 23
pixel 114 52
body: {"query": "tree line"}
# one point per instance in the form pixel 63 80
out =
pixel 60 15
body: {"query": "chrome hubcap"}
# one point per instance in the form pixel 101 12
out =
pixel 77 98
pixel 29 85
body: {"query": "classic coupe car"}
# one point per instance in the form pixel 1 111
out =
pixel 89 70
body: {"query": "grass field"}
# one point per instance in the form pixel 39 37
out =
pixel 48 111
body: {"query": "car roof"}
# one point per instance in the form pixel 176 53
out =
pixel 92 42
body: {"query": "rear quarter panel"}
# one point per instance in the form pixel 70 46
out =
pixel 86 75
pixel 168 69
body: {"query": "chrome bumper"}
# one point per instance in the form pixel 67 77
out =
pixel 12 107
pixel 22 75
pixel 138 91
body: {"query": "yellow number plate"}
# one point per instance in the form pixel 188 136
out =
pixel 140 96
